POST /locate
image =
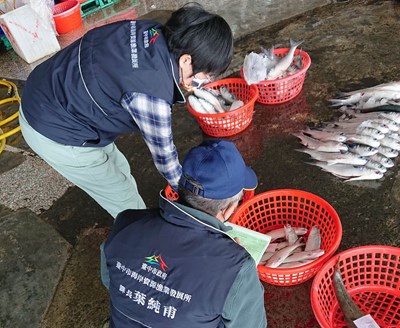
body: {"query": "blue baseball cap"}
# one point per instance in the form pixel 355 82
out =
pixel 219 170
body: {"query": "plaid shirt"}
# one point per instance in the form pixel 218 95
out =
pixel 153 117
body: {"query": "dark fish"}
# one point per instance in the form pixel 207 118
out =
pixel 349 309
pixel 384 108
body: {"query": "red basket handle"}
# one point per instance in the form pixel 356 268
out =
pixel 170 193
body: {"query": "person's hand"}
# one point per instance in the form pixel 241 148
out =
pixel 237 240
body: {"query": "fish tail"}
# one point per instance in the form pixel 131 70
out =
pixel 295 44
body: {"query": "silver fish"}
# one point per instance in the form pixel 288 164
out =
pixel 207 106
pixel 290 235
pixel 335 158
pixel 283 64
pixel 202 93
pixel 324 136
pixel 383 160
pixel 353 125
pixel 278 258
pixel 388 152
pixel 364 140
pixel 391 143
pixel 295 264
pixel 327 146
pixel 266 256
pixel 376 166
pixel 374 133
pixel 305 255
pixel 350 172
pixel 391 116
pixel 227 95
pixel 314 239
pixel 362 150
pixel 236 104
pixel 196 105
pixel 395 136
pixel 280 232
pixel 393 126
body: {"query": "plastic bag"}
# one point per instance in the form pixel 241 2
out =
pixel 44 8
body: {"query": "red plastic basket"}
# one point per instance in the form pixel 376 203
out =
pixel 281 90
pixel 232 122
pixel 371 275
pixel 67 16
pixel 274 209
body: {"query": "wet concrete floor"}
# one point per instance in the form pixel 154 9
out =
pixel 352 45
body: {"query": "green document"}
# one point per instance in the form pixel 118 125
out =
pixel 254 242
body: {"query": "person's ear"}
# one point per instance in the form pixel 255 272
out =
pixel 227 213
pixel 185 62
pixel 185 59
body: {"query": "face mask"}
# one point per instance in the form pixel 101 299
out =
pixel 196 84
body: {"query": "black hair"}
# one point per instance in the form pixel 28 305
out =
pixel 206 37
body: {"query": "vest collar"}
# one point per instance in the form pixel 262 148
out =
pixel 185 216
pixel 178 95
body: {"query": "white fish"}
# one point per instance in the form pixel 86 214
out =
pixel 391 143
pixel 391 116
pixel 395 136
pixel 362 150
pixel 388 152
pixel 383 160
pixel 280 232
pixel 283 64
pixel 364 140
pixel 227 95
pixel 202 93
pixel 393 126
pixel 374 133
pixel 295 264
pixel 266 256
pixel 253 68
pixel 350 172
pixel 196 105
pixel 236 104
pixel 314 239
pixel 207 106
pixel 305 255
pixel 376 166
pixel 322 135
pixel 327 146
pixel 335 158
pixel 290 235
pixel 278 258
pixel 356 125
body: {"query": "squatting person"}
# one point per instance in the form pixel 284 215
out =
pixel 175 266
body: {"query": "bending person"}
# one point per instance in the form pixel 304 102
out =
pixel 119 78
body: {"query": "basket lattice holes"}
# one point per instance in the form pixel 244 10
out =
pixel 231 122
pixel 371 275
pixel 274 209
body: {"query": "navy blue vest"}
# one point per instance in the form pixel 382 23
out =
pixel 169 270
pixel 74 97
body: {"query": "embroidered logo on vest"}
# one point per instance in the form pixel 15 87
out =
pixel 157 260
pixel 150 37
